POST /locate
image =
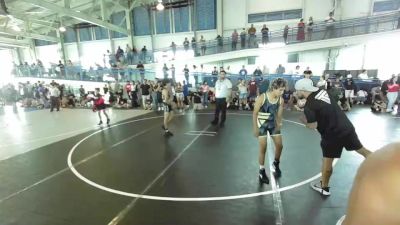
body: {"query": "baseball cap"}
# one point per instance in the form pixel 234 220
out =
pixel 305 84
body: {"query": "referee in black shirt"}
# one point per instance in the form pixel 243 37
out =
pixel 321 112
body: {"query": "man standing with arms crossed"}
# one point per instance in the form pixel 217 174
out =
pixel 223 88
pixel 321 112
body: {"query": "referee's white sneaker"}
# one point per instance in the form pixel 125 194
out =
pixel 317 186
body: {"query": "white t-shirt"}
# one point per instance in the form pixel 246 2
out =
pixel 321 83
pixel 362 93
pixel 363 76
pixel 222 88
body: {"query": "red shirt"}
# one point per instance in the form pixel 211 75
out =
pixel 253 87
pixel 393 87
pixel 99 101
pixel 128 87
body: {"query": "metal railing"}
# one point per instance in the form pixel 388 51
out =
pixel 320 31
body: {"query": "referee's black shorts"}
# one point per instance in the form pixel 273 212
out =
pixel 333 147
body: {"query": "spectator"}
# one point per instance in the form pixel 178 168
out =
pixel 322 84
pixel 297 70
pixel 165 71
pixel 265 34
pixel 363 75
pixel 194 46
pixel 300 30
pixel 203 45
pixel 288 98
pixel 186 92
pixel 214 75
pixel 119 54
pixel 257 72
pixel 140 67
pixel 186 73
pixel 392 92
pixel 242 87
pixel 253 89
pixel 144 54
pixel 205 89
pixel 61 68
pixel 375 91
pixel 243 73
pixel 129 54
pixel 186 44
pixel 235 38
pixel 285 34
pixel 350 89
pixel 280 70
pixel 330 26
pixel 252 36
pixel 361 97
pixel 173 48
pixel 310 27
pixel 195 75
pixel 243 35
pixel 145 87
pixel 173 72
pixel 220 43
pixel 54 97
pixel 378 105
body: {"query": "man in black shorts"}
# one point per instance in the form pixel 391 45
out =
pixel 321 112
pixel 168 100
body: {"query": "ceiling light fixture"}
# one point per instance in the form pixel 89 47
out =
pixel 160 6
pixel 62 29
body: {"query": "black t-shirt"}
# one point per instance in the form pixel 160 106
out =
pixel 145 89
pixel 186 71
pixel 349 84
pixel 286 95
pixel 332 122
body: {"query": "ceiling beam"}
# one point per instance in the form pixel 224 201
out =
pixel 76 15
pixel 13 42
pixel 29 35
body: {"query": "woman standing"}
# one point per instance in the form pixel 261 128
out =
pixel 310 28
pixel 265 34
pixel 205 89
pixel 392 93
pixel 285 34
pixel 243 94
pixel 300 30
pixel 179 96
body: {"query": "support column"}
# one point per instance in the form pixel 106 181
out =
pixel 60 36
pixel 129 26
pixel 193 20
pixel 152 31
pixel 32 49
pixel 220 18
pixel 78 46
pixel 104 17
pixel 363 57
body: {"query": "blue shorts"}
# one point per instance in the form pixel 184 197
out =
pixel 243 96
pixel 264 130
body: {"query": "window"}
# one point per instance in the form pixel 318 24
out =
pixel 100 33
pixel 69 35
pixel 42 42
pixel 206 14
pixel 293 58
pixel 85 34
pixel 275 16
pixel 181 19
pixel 141 21
pixel 119 20
pixel 162 22
pixel 384 6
